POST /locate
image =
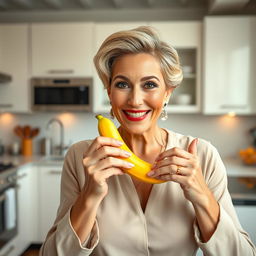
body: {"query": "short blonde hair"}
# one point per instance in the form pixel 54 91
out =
pixel 143 39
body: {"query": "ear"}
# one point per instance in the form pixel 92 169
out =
pixel 168 94
pixel 109 91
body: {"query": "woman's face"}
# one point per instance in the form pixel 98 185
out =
pixel 137 91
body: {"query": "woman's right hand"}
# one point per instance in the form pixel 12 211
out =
pixel 101 161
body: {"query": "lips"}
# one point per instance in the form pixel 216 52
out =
pixel 136 115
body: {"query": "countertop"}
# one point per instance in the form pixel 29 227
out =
pixel 234 166
pixel 20 161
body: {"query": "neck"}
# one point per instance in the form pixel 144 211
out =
pixel 143 145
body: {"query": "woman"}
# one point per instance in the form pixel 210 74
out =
pixel 106 212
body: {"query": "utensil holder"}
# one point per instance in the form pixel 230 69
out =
pixel 27 147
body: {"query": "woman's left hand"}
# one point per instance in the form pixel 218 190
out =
pixel 183 167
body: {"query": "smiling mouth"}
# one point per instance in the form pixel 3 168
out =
pixel 136 115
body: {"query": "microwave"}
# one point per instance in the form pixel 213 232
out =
pixel 61 94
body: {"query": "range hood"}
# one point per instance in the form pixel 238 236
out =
pixel 5 78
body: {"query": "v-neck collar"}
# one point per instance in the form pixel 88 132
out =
pixel 133 197
pixel 132 194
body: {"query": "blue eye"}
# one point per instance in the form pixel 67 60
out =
pixel 121 85
pixel 150 85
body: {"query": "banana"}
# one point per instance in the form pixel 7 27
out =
pixel 108 129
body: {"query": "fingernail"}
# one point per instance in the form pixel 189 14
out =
pixel 129 165
pixel 151 173
pixel 126 153
pixel 154 165
pixel 119 142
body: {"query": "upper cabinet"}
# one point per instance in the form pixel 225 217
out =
pixel 14 61
pixel 62 49
pixel 101 32
pixel 229 65
pixel 186 38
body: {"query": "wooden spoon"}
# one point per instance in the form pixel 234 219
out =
pixel 18 131
pixel 34 132
pixel 27 131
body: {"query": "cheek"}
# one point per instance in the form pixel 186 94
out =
pixel 156 101
pixel 118 99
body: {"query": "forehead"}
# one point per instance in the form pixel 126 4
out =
pixel 141 63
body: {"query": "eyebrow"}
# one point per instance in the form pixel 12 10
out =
pixel 142 79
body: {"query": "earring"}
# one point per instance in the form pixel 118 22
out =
pixel 164 115
pixel 111 114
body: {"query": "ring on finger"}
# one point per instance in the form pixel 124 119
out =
pixel 178 170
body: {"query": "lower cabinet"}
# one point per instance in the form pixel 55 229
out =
pixel 49 197
pixel 27 206
pixel 246 215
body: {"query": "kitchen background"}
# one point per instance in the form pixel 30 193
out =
pixel 57 39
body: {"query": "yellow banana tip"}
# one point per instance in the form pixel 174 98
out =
pixel 99 117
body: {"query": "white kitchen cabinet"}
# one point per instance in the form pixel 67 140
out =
pixel 186 38
pixel 246 215
pixel 229 65
pixel 101 32
pixel 49 178
pixel 27 206
pixel 14 96
pixel 62 49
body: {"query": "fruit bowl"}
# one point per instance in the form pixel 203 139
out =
pixel 248 155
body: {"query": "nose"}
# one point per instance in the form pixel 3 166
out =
pixel 135 98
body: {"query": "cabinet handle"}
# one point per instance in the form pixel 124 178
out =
pixel 233 106
pixel 9 250
pixel 55 172
pixel 60 71
pixel 6 106
pixel 18 177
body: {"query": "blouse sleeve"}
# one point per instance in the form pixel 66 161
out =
pixel 229 238
pixel 62 238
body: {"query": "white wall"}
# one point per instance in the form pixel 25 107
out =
pixel 226 133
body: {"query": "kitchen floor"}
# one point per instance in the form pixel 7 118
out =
pixel 33 250
pixel 31 253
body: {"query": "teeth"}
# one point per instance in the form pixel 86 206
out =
pixel 138 114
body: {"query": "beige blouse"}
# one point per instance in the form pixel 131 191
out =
pixel 167 227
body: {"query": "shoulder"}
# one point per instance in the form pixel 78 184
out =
pixel 73 168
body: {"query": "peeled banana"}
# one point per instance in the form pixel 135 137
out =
pixel 108 129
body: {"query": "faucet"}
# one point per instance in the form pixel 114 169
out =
pixel 55 120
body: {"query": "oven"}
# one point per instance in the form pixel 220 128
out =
pixel 8 204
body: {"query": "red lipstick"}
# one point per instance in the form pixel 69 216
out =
pixel 136 115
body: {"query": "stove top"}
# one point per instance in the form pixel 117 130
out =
pixel 5 166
